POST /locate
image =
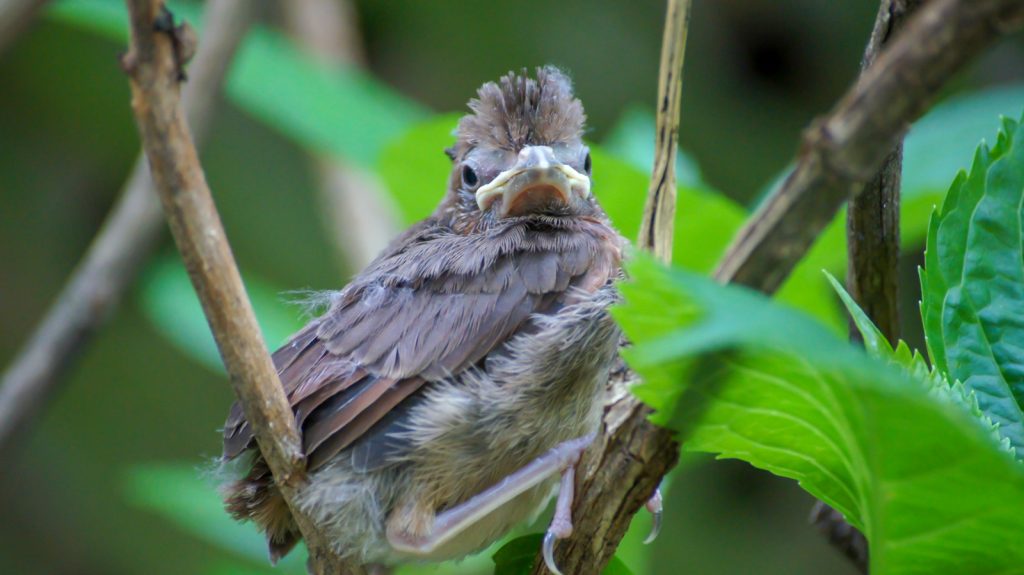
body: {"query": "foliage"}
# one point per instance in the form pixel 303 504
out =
pixel 908 453
pixel 973 282
pixel 340 111
pixel 921 463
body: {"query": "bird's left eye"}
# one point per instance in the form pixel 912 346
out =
pixel 586 164
pixel 469 177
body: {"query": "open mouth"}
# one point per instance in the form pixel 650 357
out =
pixel 537 189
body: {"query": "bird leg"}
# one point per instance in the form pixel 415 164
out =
pixel 448 524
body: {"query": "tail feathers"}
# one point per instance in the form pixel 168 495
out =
pixel 256 498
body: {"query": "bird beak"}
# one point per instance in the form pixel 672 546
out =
pixel 538 182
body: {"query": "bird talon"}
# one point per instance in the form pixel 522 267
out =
pixel 549 552
pixel 654 505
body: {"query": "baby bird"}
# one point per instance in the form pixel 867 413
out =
pixel 452 382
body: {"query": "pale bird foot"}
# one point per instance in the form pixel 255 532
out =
pixel 654 506
pixel 561 523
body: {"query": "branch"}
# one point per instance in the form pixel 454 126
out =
pixel 153 64
pixel 124 243
pixel 873 251
pixel 656 229
pixel 15 16
pixel 359 213
pixel 840 154
pixel 844 150
pixel 873 217
pixel 631 455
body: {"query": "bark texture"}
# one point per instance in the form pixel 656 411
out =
pixel 154 63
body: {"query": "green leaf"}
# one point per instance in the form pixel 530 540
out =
pixel 516 557
pixel 973 282
pixel 914 364
pixel 937 145
pixel 924 480
pixel 632 139
pixel 181 494
pixel 339 111
pixel 169 301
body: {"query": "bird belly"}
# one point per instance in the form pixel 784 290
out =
pixel 468 433
pixel 547 387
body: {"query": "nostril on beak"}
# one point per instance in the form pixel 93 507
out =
pixel 540 157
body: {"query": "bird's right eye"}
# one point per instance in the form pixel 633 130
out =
pixel 469 177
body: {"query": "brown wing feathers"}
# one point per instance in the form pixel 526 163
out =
pixel 421 313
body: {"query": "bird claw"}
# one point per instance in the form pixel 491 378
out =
pixel 654 505
pixel 549 552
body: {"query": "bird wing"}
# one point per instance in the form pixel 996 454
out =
pixel 429 308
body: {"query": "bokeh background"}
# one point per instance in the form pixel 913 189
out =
pixel 114 476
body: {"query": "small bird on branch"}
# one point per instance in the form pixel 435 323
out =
pixel 452 382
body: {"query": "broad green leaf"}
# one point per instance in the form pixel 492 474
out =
pixel 340 111
pixel 632 139
pixel 182 494
pixel 973 282
pixel 517 556
pixel 415 170
pixel 915 365
pixel 924 480
pixel 937 146
pixel 169 301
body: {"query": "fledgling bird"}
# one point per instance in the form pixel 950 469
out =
pixel 452 382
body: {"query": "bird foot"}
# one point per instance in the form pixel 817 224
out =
pixel 654 506
pixel 561 523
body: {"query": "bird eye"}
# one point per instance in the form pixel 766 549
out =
pixel 586 164
pixel 469 177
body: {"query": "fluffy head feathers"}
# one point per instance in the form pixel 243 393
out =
pixel 519 110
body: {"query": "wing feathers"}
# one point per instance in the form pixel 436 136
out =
pixel 422 312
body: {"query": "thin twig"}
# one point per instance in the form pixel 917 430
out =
pixel 153 64
pixel 842 152
pixel 656 229
pixel 15 17
pixel 873 250
pixel 123 245
pixel 358 212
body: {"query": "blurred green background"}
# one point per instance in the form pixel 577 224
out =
pixel 114 477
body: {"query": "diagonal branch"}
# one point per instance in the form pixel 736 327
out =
pixel 840 153
pixel 123 245
pixel 844 150
pixel 153 64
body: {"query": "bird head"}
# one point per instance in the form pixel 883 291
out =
pixel 519 153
